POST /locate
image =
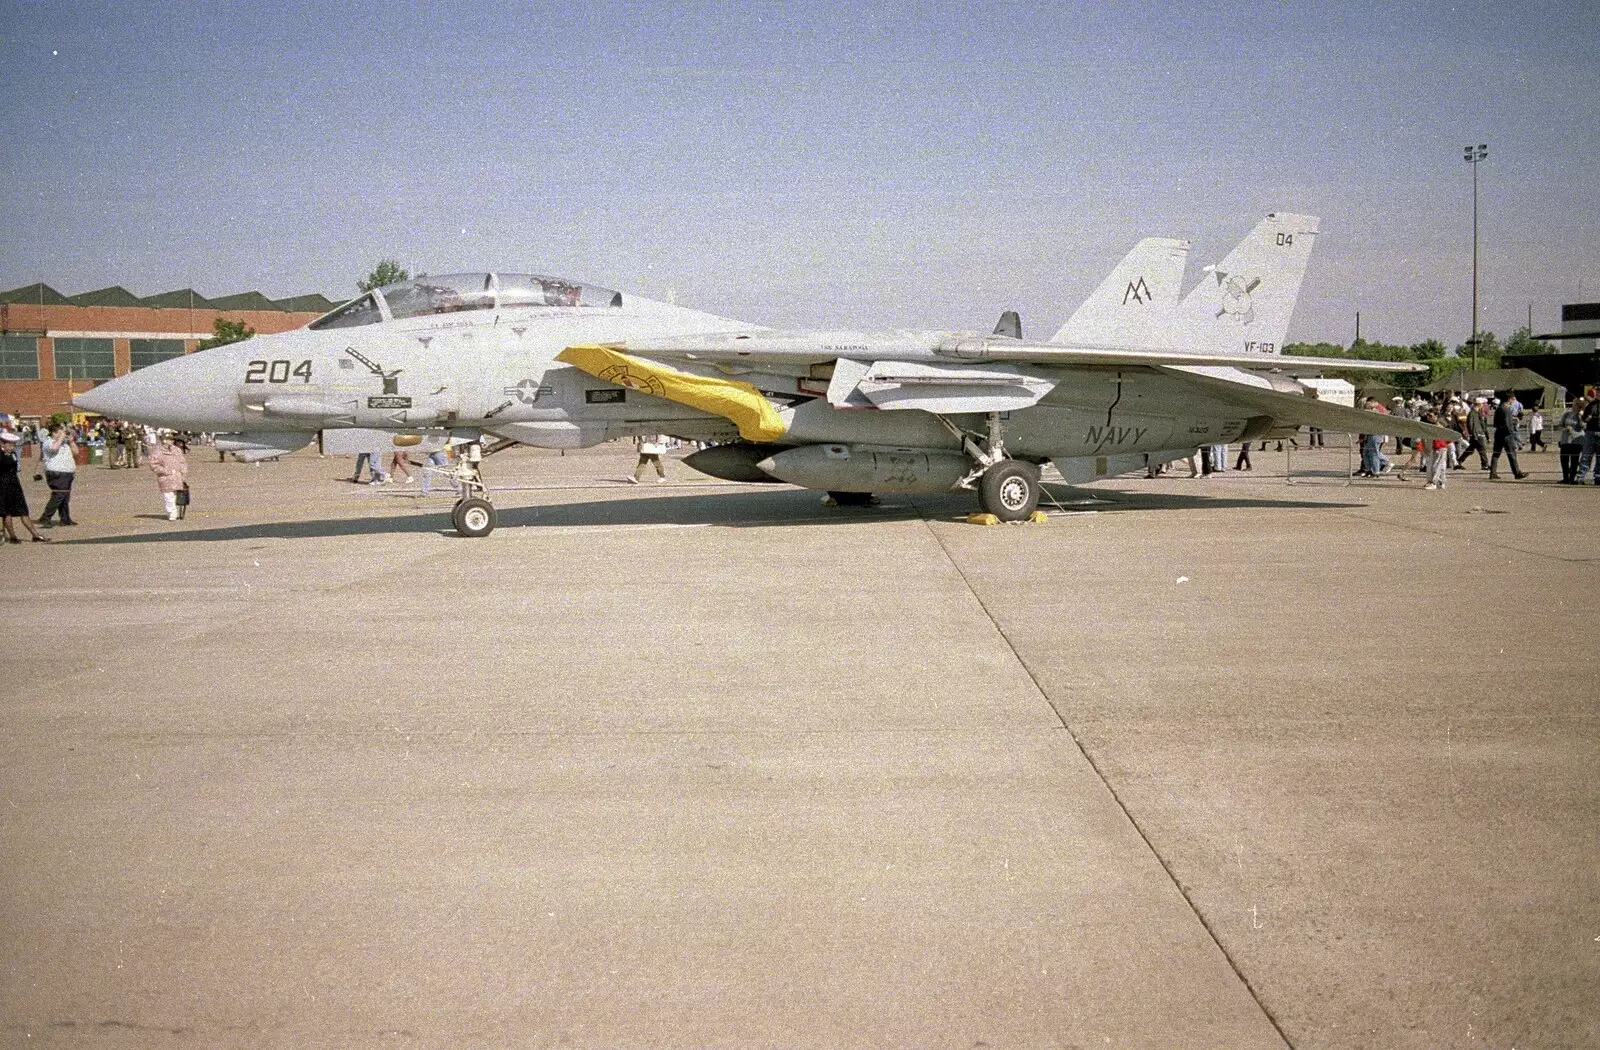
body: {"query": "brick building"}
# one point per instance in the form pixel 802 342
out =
pixel 53 346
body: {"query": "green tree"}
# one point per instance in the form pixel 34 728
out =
pixel 1437 357
pixel 224 331
pixel 1489 351
pixel 1523 342
pixel 1382 351
pixel 388 271
pixel 1365 351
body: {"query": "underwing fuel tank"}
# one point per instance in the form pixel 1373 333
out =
pixel 868 468
pixel 735 462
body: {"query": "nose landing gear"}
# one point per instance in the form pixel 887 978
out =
pixel 473 516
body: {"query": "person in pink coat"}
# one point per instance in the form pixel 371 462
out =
pixel 171 468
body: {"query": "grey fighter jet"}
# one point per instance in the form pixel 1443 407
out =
pixel 1134 378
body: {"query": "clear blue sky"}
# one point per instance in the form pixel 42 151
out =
pixel 919 165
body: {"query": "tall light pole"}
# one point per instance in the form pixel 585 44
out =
pixel 1473 155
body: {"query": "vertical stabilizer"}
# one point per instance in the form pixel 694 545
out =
pixel 1243 304
pixel 1133 306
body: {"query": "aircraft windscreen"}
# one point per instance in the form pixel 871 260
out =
pixel 449 294
pixel 356 312
pixel 453 293
pixel 526 289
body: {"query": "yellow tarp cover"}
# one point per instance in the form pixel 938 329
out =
pixel 742 403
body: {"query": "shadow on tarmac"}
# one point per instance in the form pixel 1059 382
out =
pixel 1113 501
pixel 729 510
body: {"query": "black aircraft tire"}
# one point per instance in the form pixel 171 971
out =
pixel 853 499
pixel 1010 490
pixel 473 517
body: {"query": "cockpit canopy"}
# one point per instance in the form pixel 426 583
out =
pixel 458 292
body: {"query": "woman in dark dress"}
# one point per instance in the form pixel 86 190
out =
pixel 13 502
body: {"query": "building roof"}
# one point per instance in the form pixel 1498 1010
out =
pixel 180 298
pixel 116 295
pixel 244 301
pixel 34 295
pixel 306 304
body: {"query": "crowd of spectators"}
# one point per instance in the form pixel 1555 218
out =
pixel 61 447
pixel 1489 427
pixel 1485 425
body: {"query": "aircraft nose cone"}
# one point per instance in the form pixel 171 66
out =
pixel 137 395
pixel 101 400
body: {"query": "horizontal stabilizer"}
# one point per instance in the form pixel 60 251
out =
pixel 1307 411
pixel 1146 356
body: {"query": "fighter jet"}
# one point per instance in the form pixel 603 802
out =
pixel 1135 377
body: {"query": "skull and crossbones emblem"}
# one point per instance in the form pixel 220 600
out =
pixel 1236 291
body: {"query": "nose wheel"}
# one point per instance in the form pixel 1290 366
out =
pixel 473 517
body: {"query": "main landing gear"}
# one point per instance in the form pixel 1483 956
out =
pixel 473 515
pixel 1008 489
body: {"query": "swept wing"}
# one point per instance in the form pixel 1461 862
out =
pixel 788 348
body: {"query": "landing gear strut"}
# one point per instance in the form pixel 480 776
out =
pixel 1007 488
pixel 473 515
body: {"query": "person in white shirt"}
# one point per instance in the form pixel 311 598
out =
pixel 59 453
pixel 651 446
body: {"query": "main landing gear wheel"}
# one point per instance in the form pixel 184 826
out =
pixel 1010 490
pixel 853 499
pixel 473 517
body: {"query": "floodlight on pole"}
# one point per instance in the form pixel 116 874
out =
pixel 1473 155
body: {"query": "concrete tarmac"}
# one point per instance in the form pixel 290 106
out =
pixel 1218 763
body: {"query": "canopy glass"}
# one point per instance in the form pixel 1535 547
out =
pixel 459 292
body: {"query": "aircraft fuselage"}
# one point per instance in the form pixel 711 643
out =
pixel 496 371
